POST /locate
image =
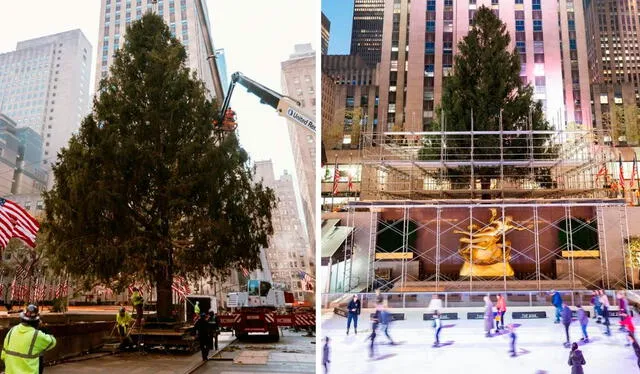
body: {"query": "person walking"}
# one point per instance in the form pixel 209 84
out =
pixel 123 320
pixel 137 302
pixel 326 355
pixel 556 300
pixel 605 312
pixel 353 311
pixel 488 316
pixel 501 305
pixel 567 316
pixel 597 306
pixel 584 321
pixel 437 325
pixel 202 331
pixel 214 329
pixel 24 345
pixel 576 360
pixel 512 335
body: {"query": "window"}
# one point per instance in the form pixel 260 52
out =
pixel 430 47
pixel 537 25
pixel 431 5
pixel 519 25
pixel 431 26
pixel 535 4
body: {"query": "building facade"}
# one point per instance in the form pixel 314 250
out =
pixel 44 85
pixel 287 252
pixel 325 32
pixel 366 31
pixel 182 18
pixel 299 82
pixel 549 36
pixel 614 68
pixel 221 61
pixel 21 170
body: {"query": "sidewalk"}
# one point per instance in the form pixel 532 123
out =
pixel 137 363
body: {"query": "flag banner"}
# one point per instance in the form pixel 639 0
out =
pixel 16 222
pixel 307 280
pixel 622 182
pixel 336 179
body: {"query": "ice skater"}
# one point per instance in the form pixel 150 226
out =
pixel 353 311
pixel 576 360
pixel 583 319
pixel 567 317
pixel 623 307
pixel 597 306
pixel 488 316
pixel 375 322
pixel 501 305
pixel 385 318
pixel 326 355
pixel 627 323
pixel 556 300
pixel 437 325
pixel 636 348
pixel 605 312
pixel 512 336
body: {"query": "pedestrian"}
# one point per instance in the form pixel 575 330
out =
pixel 326 355
pixel 353 311
pixel 576 360
pixel 25 345
pixel 584 321
pixel 214 329
pixel 488 316
pixel 202 331
pixel 556 300
pixel 512 335
pixel 636 347
pixel 436 303
pixel 597 306
pixel 567 316
pixel 137 302
pixel 501 305
pixel 123 320
pixel 437 325
pixel 605 312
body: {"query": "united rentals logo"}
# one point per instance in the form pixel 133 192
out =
pixel 301 120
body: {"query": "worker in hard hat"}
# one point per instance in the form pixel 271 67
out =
pixel 137 301
pixel 24 345
pixel 124 319
pixel 229 120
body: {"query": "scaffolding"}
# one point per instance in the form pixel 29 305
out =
pixel 541 261
pixel 459 165
pixel 424 189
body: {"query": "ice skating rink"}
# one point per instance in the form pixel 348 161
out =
pixel 466 350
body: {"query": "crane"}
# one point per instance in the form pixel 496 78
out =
pixel 285 106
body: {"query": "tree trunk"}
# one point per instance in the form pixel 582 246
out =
pixel 485 184
pixel 164 297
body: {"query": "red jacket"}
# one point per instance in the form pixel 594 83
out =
pixel 501 305
pixel 628 324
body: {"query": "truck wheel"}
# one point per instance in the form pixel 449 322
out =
pixel 242 336
pixel 274 334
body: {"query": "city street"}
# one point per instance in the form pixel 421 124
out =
pixel 294 353
pixel 466 350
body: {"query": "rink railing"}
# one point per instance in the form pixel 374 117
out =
pixel 463 299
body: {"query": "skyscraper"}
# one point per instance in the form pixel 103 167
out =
pixel 221 61
pixel 184 22
pixel 44 85
pixel 366 31
pixel 614 67
pixel 420 40
pixel 298 82
pixel 287 251
pixel 325 32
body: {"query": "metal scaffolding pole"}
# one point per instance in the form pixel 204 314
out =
pixel 627 248
pixel 504 249
pixel 624 243
pixel 371 259
pixel 438 217
pixel 536 244
pixel 600 209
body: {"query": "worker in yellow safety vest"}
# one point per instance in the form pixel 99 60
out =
pixel 136 301
pixel 25 345
pixel 124 319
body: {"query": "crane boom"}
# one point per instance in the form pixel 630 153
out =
pixel 286 106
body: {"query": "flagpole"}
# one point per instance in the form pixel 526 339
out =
pixel 335 182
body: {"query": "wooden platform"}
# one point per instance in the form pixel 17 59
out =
pixel 485 285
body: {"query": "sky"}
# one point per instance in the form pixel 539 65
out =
pixel 340 14
pixel 256 35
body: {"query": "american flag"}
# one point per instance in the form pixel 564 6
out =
pixel 245 272
pixel 621 172
pixel 181 287
pixel 18 278
pixel 336 179
pixel 63 289
pixel 16 222
pixel 307 280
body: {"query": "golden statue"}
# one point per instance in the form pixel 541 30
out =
pixel 486 248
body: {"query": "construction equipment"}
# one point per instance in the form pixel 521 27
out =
pixel 286 106
pixel 262 310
